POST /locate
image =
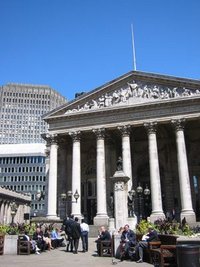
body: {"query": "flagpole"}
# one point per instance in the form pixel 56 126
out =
pixel 133 48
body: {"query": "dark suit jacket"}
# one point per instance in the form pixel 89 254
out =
pixel 105 236
pixel 75 230
pixel 152 236
pixel 130 235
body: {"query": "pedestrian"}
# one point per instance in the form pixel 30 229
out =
pixel 84 235
pixel 67 224
pixel 76 234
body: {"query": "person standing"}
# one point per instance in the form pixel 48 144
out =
pixel 67 225
pixel 84 235
pixel 76 233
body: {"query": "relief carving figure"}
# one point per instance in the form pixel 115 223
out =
pixel 123 95
pixel 108 100
pixel 155 92
pixel 101 101
pixel 94 104
pixel 119 186
pixel 86 106
pixel 133 86
pixel 134 90
pixel 186 92
pixel 174 92
pixel 146 92
pixel 116 97
pixel 139 92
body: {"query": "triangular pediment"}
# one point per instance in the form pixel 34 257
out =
pixel 131 89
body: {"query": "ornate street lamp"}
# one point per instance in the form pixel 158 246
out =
pixel 67 198
pixel 138 194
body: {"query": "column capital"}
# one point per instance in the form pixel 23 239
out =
pixel 100 133
pixel 51 139
pixel 125 130
pixel 76 136
pixel 151 127
pixel 47 152
pixel 178 124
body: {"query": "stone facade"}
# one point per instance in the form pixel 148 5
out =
pixel 13 203
pixel 152 122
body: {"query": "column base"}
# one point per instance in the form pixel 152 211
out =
pixel 100 220
pixel 157 216
pixel 52 217
pixel 190 216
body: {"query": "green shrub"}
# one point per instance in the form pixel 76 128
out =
pixel 165 227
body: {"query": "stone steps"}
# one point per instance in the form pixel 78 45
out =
pixel 93 231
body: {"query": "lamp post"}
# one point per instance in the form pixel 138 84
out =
pixel 142 195
pixel 67 198
pixel 13 212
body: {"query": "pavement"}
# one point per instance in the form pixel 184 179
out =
pixel 60 258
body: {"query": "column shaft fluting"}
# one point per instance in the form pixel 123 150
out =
pixel 52 183
pixel 184 179
pixel 126 153
pixel 101 178
pixel 76 173
pixel 156 195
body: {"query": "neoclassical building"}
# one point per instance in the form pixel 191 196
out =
pixel 14 207
pixel 151 121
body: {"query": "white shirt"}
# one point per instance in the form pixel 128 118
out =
pixel 84 227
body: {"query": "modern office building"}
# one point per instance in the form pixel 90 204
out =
pixel 152 122
pixel 22 150
pixel 21 108
pixel 22 169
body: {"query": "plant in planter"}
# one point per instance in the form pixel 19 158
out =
pixel 143 226
pixel 3 229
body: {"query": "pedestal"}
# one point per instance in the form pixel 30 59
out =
pixel 120 185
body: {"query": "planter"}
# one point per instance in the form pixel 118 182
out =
pixel 2 236
pixel 10 244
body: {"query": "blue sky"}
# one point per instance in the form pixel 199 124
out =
pixel 78 45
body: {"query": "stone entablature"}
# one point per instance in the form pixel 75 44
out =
pixel 6 193
pixel 133 93
pixel 138 114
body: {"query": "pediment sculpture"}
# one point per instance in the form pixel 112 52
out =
pixel 135 92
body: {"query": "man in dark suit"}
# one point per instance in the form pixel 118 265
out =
pixel 128 240
pixel 67 223
pixel 104 235
pixel 151 236
pixel 75 233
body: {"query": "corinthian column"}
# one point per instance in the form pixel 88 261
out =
pixel 76 172
pixel 126 153
pixel 52 183
pixel 101 216
pixel 156 195
pixel 184 180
